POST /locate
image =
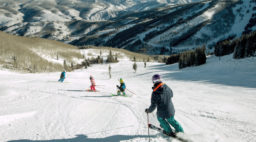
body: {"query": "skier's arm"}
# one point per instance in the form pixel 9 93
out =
pixel 154 100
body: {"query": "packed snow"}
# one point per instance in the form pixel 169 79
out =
pixel 214 102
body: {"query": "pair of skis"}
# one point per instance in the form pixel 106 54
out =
pixel 119 95
pixel 172 135
pixel 153 127
pixel 160 130
pixel 89 90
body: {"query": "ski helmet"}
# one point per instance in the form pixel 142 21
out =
pixel 121 80
pixel 156 78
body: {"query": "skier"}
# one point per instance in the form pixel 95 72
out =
pixel 121 88
pixel 162 100
pixel 62 76
pixel 109 71
pixel 92 83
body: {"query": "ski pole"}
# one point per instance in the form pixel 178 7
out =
pixel 130 91
pixel 148 128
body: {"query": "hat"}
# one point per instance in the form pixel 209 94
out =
pixel 156 78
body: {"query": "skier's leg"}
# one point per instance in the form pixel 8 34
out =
pixel 61 80
pixel 165 125
pixel 122 91
pixel 175 124
pixel 93 88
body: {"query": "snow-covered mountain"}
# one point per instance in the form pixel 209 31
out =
pixel 151 26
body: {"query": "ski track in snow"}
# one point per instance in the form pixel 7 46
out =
pixel 36 108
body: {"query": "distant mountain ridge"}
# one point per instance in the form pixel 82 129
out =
pixel 148 26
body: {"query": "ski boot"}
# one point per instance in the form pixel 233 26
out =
pixel 171 134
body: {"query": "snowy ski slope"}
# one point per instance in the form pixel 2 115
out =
pixel 214 103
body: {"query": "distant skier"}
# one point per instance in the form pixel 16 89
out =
pixel 109 71
pixel 62 76
pixel 162 100
pixel 121 88
pixel 92 84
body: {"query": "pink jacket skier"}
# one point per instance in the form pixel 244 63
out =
pixel 92 84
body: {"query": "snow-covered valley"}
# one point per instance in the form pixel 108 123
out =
pixel 146 26
pixel 214 102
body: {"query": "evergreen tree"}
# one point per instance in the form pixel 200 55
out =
pixel 134 59
pixel 111 58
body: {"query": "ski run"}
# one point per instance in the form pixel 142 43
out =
pixel 214 102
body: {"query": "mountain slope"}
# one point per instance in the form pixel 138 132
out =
pixel 35 54
pixel 154 26
pixel 174 29
pixel 214 102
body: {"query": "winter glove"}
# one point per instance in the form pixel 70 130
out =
pixel 146 110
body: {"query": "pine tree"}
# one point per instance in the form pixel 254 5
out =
pixel 110 58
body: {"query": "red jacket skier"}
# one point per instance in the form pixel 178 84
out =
pixel 92 84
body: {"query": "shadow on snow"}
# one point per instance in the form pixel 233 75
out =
pixel 207 73
pixel 84 138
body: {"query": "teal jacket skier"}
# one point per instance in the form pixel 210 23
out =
pixel 121 88
pixel 162 100
pixel 62 76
